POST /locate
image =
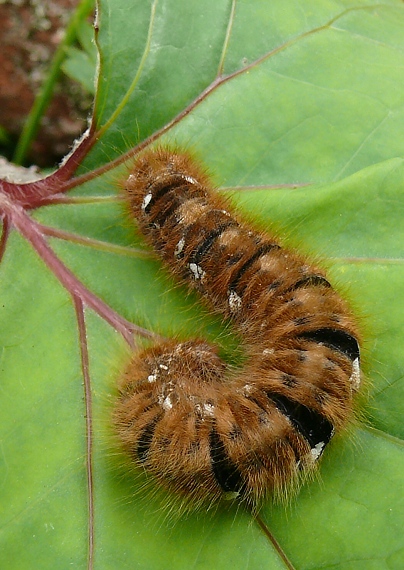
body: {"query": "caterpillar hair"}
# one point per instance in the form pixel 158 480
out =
pixel 206 430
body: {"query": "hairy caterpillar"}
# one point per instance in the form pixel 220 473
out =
pixel 201 428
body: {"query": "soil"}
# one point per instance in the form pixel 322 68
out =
pixel 30 32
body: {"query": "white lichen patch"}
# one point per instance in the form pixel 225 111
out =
pixel 317 450
pixel 164 399
pixel 355 377
pixel 152 378
pixel 204 410
pixel 167 403
pixel 247 389
pixel 189 179
pixel 235 302
pixel 209 410
pixel 197 271
pixel 146 201
pixel 267 351
pixel 179 247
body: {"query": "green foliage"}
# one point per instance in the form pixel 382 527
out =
pixel 81 63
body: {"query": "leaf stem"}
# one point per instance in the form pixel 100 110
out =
pixel 30 230
pixel 275 543
pixel 226 39
pixel 132 86
pixel 95 243
pixel 4 235
pixel 85 367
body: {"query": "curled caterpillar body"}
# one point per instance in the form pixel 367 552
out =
pixel 200 427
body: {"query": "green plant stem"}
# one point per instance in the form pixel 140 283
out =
pixel 42 100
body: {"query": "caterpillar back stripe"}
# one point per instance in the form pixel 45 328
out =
pixel 205 430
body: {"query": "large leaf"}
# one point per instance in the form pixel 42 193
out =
pixel 267 94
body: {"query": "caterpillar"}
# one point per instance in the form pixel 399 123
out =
pixel 206 430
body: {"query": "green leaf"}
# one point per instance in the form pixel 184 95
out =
pixel 266 94
pixel 4 136
pixel 81 64
pixel 80 67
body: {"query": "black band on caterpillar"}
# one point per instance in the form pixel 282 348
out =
pixel 224 470
pixel 337 339
pixel 205 430
pixel 314 427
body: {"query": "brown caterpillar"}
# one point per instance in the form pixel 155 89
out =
pixel 201 428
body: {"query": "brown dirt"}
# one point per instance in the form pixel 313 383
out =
pixel 30 32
